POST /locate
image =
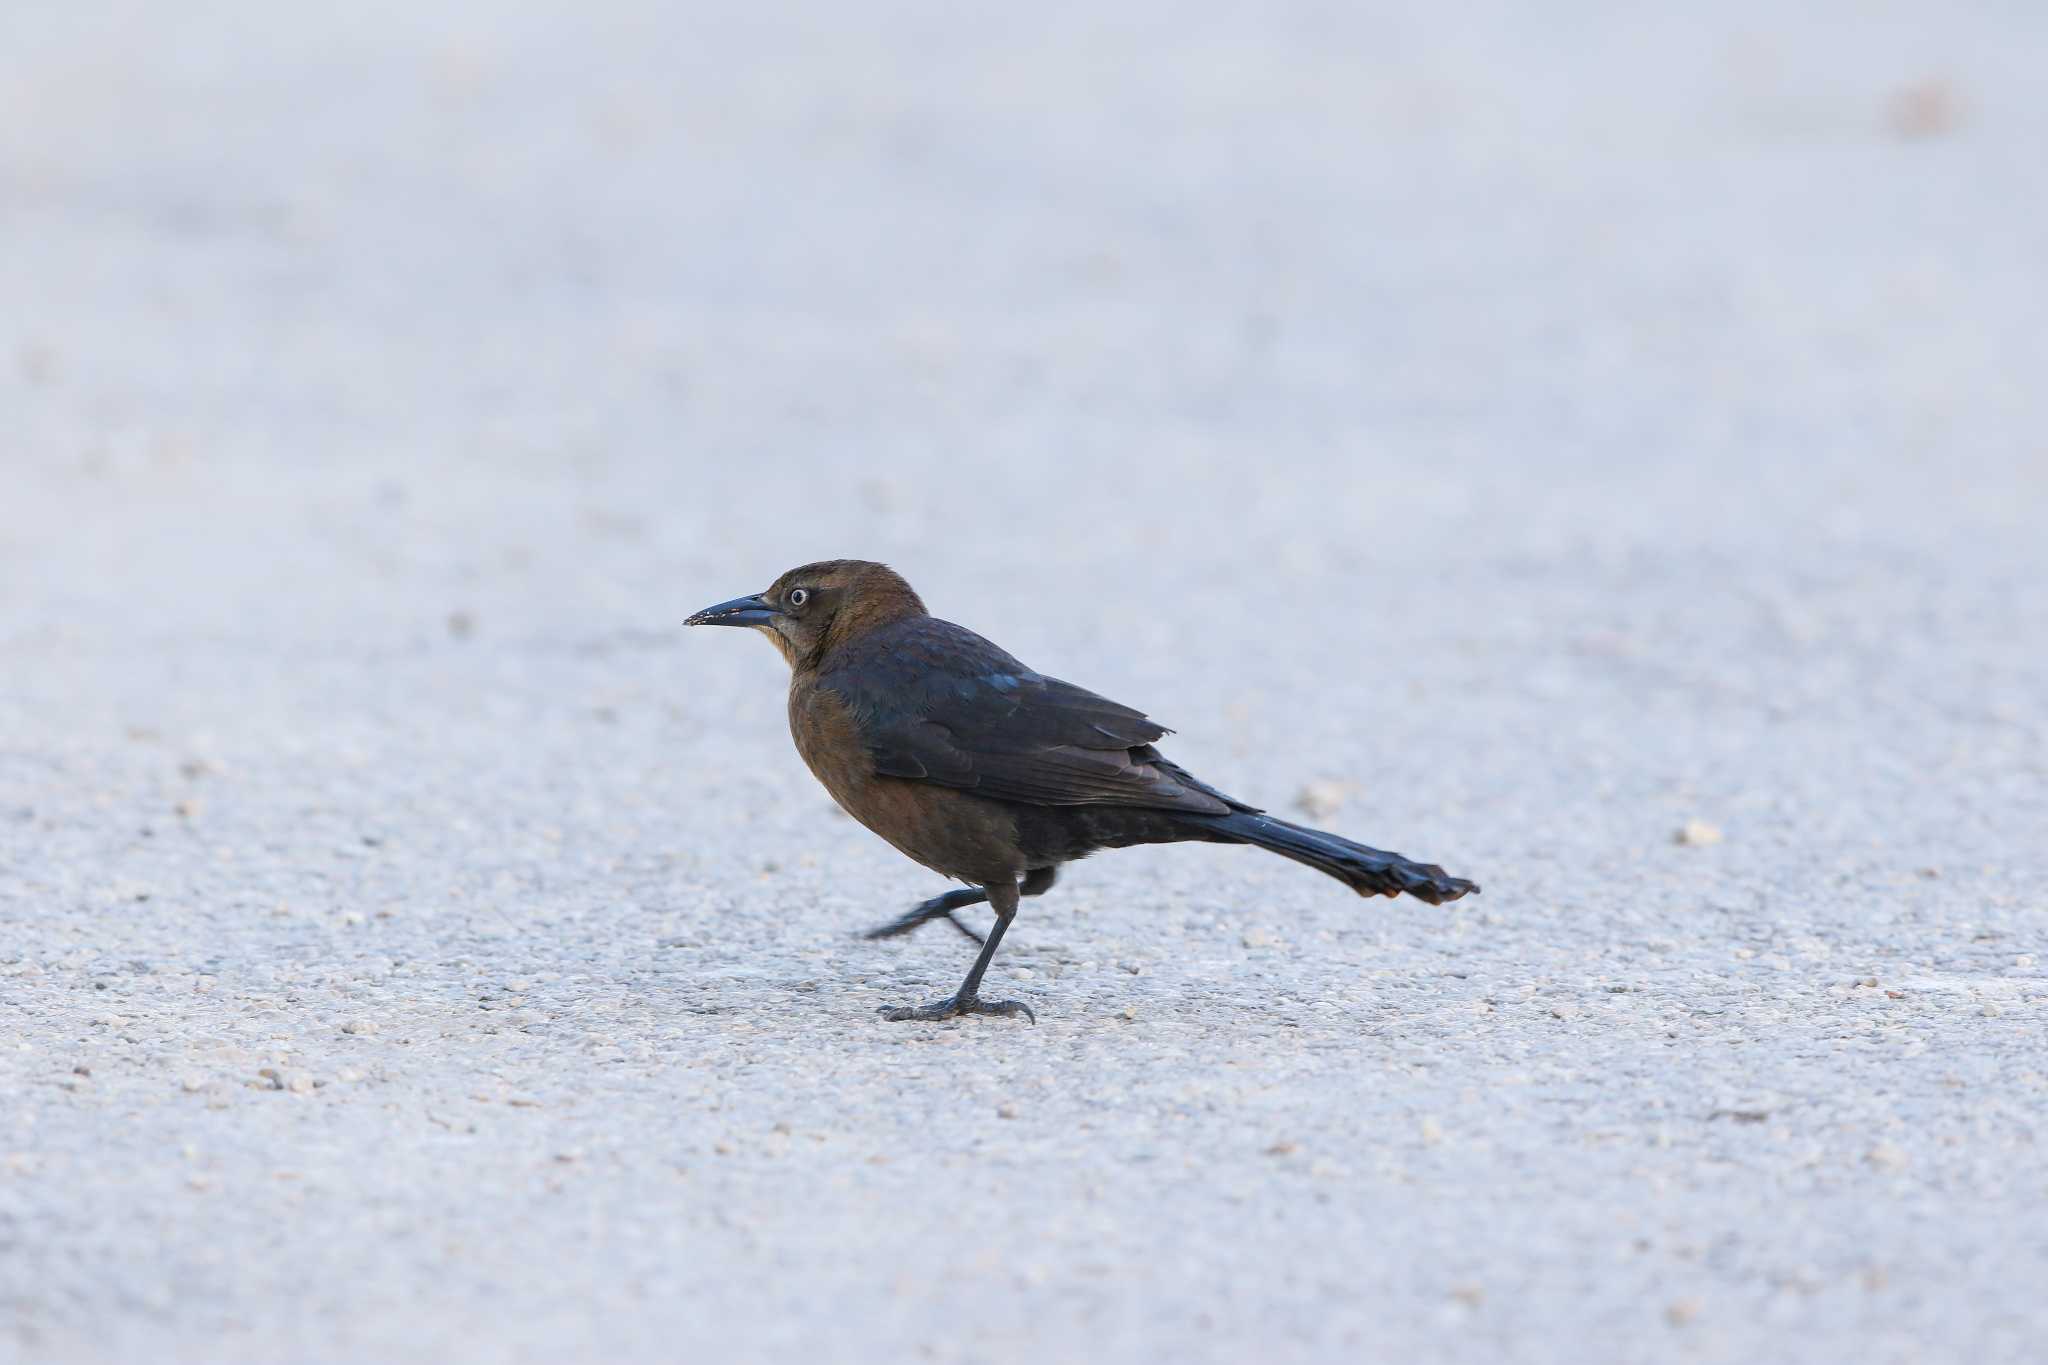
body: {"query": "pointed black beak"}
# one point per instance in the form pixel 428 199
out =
pixel 741 611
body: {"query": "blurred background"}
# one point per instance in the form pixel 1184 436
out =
pixel 1505 432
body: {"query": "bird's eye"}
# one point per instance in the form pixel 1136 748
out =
pixel 799 596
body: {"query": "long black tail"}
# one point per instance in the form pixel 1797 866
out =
pixel 1368 871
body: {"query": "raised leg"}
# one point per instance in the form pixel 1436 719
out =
pixel 1002 898
pixel 1036 882
pixel 938 907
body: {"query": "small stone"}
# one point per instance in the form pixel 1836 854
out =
pixel 1566 1010
pixel 2023 960
pixel 1432 1131
pixel 299 1083
pixel 1471 1295
pixel 1992 1009
pixel 1697 834
pixel 1283 1148
pixel 1006 1111
pixel 1681 1311
pixel 1322 798
pixel 1256 938
pixel 269 1078
pixel 1925 109
pixel 192 1085
pixel 1887 1156
pixel 361 1026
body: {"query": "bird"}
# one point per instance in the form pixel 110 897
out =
pixel 991 773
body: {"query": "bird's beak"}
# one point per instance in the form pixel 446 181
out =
pixel 741 611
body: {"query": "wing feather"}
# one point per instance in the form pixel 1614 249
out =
pixel 937 703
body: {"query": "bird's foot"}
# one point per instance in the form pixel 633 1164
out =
pixel 954 1005
pixel 911 919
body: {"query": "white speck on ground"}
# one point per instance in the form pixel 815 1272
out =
pixel 1555 423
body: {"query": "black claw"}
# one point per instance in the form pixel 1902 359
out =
pixel 954 1005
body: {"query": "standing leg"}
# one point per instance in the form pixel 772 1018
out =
pixel 1002 898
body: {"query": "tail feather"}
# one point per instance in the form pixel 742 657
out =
pixel 1368 871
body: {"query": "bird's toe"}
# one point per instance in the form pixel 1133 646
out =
pixel 1002 1007
pixel 953 1006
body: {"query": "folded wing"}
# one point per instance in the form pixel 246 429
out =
pixel 937 703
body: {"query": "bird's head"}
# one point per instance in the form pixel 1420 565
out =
pixel 811 610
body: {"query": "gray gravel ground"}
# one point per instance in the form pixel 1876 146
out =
pixel 1541 425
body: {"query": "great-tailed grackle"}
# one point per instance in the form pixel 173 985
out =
pixel 983 770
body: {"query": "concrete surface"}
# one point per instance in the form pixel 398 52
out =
pixel 1558 423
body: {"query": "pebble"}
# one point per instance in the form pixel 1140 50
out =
pixel 1682 1311
pixel 1697 834
pixel 1887 1156
pixel 1322 797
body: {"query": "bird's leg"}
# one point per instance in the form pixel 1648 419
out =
pixel 1036 882
pixel 938 907
pixel 1002 898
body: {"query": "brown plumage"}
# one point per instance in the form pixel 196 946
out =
pixel 983 770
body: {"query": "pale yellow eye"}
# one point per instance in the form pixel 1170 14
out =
pixel 799 596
